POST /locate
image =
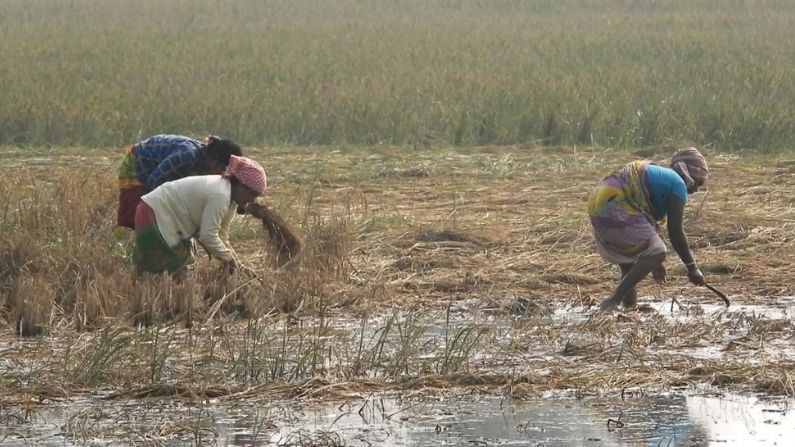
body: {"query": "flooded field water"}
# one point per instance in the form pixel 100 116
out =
pixel 695 416
pixel 692 418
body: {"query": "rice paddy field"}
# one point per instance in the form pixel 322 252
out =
pixel 435 158
pixel 425 275
pixel 401 72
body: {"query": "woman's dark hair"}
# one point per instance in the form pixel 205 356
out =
pixel 234 181
pixel 220 149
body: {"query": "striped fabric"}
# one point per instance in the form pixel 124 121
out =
pixel 163 158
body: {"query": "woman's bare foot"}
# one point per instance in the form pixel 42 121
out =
pixel 630 299
pixel 609 303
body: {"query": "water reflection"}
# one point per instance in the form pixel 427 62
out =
pixel 668 419
pixel 660 420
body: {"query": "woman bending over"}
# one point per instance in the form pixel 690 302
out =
pixel 197 207
pixel 162 158
pixel 626 211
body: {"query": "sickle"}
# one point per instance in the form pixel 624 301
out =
pixel 719 293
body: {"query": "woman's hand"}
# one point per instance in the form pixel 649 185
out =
pixel 231 266
pixel 695 276
pixel 659 274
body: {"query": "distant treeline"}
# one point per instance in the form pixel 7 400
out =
pixel 619 73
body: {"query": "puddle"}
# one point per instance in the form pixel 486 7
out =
pixel 780 308
pixel 666 419
pixel 663 420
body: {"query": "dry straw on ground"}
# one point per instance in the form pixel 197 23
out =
pixel 490 227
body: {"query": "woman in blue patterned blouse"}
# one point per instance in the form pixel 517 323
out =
pixel 162 158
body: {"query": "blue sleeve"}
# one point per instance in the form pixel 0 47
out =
pixel 678 187
pixel 170 167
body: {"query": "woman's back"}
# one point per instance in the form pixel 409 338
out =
pixel 661 183
pixel 190 205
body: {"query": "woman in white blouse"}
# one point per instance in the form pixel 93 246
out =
pixel 199 207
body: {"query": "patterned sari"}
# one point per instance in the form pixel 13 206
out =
pixel 130 191
pixel 621 216
pixel 151 253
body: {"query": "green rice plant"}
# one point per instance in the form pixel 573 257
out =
pixel 261 353
pixel 406 72
pixel 458 346
pixel 245 355
pixel 367 350
pixel 161 350
pixel 405 331
pixel 97 359
pixel 260 424
pixel 459 349
pixel 200 425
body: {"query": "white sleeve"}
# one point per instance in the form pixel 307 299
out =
pixel 223 232
pixel 213 225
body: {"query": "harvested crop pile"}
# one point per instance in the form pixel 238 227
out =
pixel 283 238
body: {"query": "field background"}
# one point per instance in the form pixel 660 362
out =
pixel 615 73
pixel 437 157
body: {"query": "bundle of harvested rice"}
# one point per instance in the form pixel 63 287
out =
pixel 282 237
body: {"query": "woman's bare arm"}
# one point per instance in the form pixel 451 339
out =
pixel 676 211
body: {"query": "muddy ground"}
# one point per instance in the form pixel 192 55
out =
pixel 469 271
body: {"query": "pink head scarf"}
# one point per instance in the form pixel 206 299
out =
pixel 691 165
pixel 248 172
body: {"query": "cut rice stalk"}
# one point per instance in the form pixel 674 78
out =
pixel 282 237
